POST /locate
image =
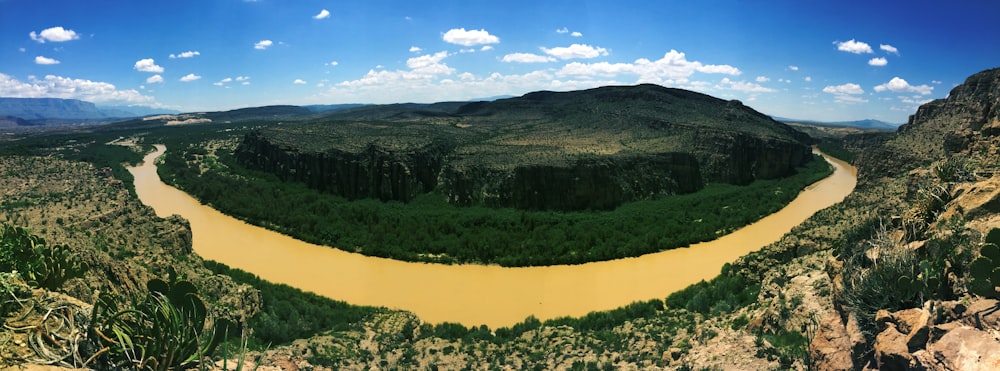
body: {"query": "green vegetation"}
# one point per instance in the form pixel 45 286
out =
pixel 985 270
pixel 164 329
pixel 836 149
pixel 726 292
pixel 38 263
pixel 288 313
pixel 430 229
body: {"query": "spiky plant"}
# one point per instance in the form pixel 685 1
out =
pixel 162 330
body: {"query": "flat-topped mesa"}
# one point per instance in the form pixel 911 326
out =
pixel 591 149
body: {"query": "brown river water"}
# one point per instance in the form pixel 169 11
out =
pixel 473 294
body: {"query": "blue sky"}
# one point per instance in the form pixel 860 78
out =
pixel 822 60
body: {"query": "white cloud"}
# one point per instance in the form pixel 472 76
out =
pixel 527 58
pixel 743 86
pixel 54 34
pixel 562 30
pixel 187 54
pixel 333 64
pixel 576 34
pixel 22 50
pixel 582 51
pixel 808 78
pixel 242 78
pixel 842 98
pixel 853 46
pixel 68 88
pixel 189 77
pixel 673 68
pixel 45 60
pixel 793 68
pixel 430 64
pixel 263 44
pixel 415 49
pixel 486 48
pixel 899 85
pixel 936 82
pixel 155 79
pixel 878 62
pixel 223 81
pixel 148 65
pixel 762 79
pixel 889 48
pixel 469 38
pixel 848 88
pixel 299 82
pixel 323 14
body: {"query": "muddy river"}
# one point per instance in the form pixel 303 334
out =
pixel 473 294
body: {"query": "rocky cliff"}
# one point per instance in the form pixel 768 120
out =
pixel 934 187
pixel 592 149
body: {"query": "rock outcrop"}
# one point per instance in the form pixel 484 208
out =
pixel 593 149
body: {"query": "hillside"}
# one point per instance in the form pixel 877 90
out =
pixel 544 150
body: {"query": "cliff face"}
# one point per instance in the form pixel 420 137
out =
pixel 962 123
pixel 374 172
pixel 593 149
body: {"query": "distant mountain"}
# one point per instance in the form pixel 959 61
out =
pixel 862 124
pixel 42 109
pixel 135 111
pixel 320 108
pixel 11 121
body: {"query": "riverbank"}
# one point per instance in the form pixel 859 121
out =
pixel 473 294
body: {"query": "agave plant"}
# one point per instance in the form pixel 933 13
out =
pixel 162 330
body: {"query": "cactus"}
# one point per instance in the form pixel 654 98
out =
pixel 985 271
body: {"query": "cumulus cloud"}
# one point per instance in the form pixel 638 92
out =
pixel 576 34
pixel 889 48
pixel 155 79
pixel 762 79
pixel 846 93
pixel 299 82
pixel 899 85
pixel 854 46
pixel 68 88
pixel 562 30
pixel 263 44
pixel 244 80
pixel 848 88
pixel 189 77
pixel 415 49
pixel 430 64
pixel 486 48
pixel 54 34
pixel 223 81
pixel 808 78
pixel 148 65
pixel 45 60
pixel 793 68
pixel 333 64
pixel 878 62
pixel 187 54
pixel 743 86
pixel 323 14
pixel 527 58
pixel 580 51
pixel 672 68
pixel 469 38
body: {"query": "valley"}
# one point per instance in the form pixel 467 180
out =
pixel 923 213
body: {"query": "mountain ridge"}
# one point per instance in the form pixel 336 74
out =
pixel 41 109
